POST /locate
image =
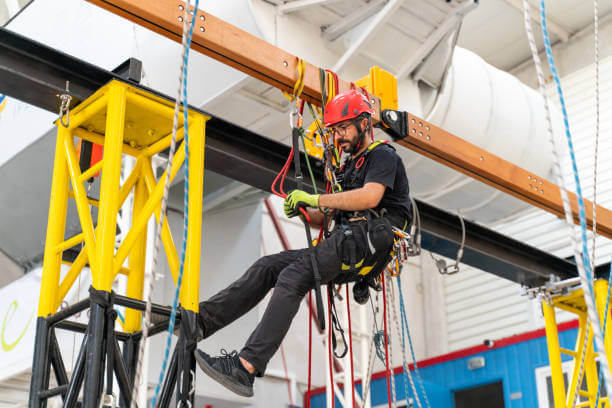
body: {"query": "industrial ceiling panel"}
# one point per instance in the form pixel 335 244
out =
pixel 392 52
pixel 429 11
pixel 411 24
pixel 344 8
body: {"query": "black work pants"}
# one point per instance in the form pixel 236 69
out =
pixel 290 274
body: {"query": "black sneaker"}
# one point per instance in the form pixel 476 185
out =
pixel 228 371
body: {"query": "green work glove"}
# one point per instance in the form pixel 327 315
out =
pixel 289 212
pixel 299 198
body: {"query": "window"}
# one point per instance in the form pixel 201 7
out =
pixel 544 384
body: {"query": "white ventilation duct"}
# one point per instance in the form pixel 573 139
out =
pixel 493 110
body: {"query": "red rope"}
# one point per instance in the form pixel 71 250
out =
pixel 282 175
pixel 386 338
pixel 350 336
pixel 329 350
pixel 307 404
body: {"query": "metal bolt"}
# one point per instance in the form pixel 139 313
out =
pixel 392 115
pixel 481 158
pixel 428 137
pixel 151 132
pixel 133 143
pixel 202 29
pixel 285 64
pixel 202 17
pixel 181 7
pixel 180 19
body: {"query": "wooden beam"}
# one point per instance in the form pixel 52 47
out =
pixel 456 153
pixel 253 56
pixel 225 43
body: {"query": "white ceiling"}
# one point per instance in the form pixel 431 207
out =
pixel 494 29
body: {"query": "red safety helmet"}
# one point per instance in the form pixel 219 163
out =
pixel 346 105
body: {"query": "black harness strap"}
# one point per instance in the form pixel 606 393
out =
pixel 315 269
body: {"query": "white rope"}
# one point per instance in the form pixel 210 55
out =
pixel 581 372
pixel 150 277
pixel 588 294
pixel 595 155
pixel 371 356
pixel 386 282
pixel 404 356
pixel 596 152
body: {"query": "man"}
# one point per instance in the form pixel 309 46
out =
pixel 374 178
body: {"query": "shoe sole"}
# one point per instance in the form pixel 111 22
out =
pixel 222 379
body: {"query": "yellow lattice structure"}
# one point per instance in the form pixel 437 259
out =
pixel 574 303
pixel 126 121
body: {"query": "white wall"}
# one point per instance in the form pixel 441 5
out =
pixel 230 244
pixel 480 306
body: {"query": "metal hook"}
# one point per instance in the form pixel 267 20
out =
pixel 65 100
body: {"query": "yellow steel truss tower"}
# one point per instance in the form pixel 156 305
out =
pixel 125 120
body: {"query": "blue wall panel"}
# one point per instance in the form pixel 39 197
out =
pixel 514 365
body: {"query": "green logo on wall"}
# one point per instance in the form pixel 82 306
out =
pixel 7 319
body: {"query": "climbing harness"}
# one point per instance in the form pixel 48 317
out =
pixel 64 109
pixel 440 263
pixel 581 255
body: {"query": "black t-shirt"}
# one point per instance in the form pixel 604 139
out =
pixel 381 165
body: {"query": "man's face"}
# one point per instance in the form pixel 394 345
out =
pixel 347 136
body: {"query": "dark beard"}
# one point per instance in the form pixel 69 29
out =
pixel 357 145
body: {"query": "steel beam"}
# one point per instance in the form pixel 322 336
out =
pixel 255 160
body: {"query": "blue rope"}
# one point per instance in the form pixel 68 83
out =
pixel 185 209
pixel 581 212
pixel 407 330
pixel 604 330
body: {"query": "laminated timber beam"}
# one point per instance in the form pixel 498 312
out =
pixel 228 44
pixel 225 43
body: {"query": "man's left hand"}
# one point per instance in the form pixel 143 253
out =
pixel 299 198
